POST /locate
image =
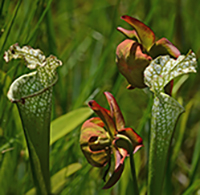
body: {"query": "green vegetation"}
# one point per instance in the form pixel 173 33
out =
pixel 83 35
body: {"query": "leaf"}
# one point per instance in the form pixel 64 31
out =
pixel 9 162
pixel 165 113
pixel 9 26
pixel 193 188
pixel 33 95
pixel 195 160
pixel 68 122
pixel 179 139
pixel 39 172
pixel 163 69
pixel 4 82
pixel 125 179
pixel 146 35
pixel 59 178
pixel 47 7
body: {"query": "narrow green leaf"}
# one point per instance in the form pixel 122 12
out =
pixel 178 84
pixel 6 33
pixel 39 22
pixel 8 167
pixel 59 179
pixel 193 188
pixel 68 122
pixel 31 192
pixel 30 13
pixel 51 34
pixel 125 178
pixel 195 160
pixel 4 83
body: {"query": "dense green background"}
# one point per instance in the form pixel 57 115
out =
pixel 83 35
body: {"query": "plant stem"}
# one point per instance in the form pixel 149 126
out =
pixel 133 172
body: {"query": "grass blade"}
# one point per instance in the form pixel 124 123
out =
pixel 68 122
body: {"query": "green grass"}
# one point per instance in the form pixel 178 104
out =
pixel 83 35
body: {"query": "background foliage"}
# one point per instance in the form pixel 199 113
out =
pixel 83 35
